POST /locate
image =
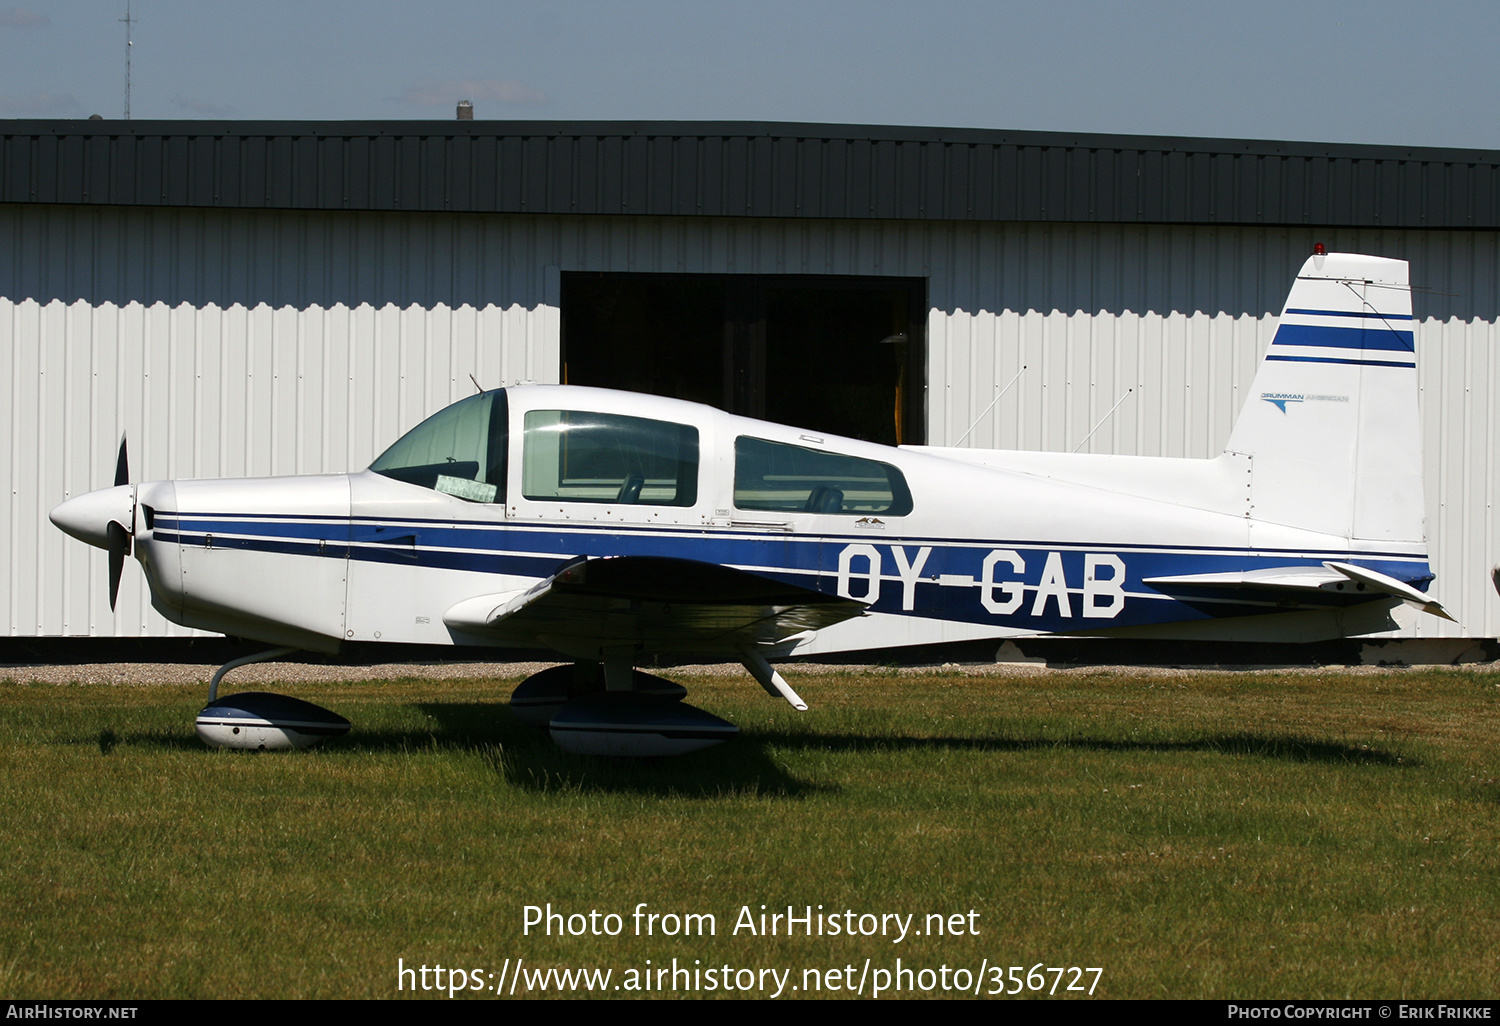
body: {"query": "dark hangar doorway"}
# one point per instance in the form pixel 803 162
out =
pixel 846 356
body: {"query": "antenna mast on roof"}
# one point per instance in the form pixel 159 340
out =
pixel 128 20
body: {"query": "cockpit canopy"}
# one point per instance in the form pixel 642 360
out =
pixel 589 456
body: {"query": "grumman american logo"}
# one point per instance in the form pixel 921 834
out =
pixel 1280 399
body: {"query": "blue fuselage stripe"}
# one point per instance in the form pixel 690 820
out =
pixel 1031 585
pixel 503 534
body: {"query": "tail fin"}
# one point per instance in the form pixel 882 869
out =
pixel 1331 422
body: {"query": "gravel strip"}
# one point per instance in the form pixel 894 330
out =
pixel 264 673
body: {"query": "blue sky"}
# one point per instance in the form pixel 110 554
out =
pixel 1366 72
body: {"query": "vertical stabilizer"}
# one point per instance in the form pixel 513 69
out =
pixel 1331 423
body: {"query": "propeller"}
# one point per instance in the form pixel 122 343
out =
pixel 119 534
pixel 104 519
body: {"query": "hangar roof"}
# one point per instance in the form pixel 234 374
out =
pixel 743 169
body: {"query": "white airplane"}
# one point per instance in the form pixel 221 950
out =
pixel 614 527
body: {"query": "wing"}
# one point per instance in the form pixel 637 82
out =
pixel 650 603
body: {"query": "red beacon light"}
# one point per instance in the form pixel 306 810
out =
pixel 1319 249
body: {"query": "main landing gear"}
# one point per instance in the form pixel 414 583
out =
pixel 611 708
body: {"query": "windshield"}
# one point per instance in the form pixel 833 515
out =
pixel 459 450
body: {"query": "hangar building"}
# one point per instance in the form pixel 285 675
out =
pixel 261 298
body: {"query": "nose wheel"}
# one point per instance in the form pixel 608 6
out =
pixel 260 720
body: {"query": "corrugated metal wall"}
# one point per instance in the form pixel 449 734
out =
pixel 231 343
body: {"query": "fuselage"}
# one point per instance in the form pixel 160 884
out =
pixel 941 549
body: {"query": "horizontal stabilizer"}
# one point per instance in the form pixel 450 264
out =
pixel 1330 577
pixel 653 604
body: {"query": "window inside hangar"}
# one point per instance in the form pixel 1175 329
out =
pixel 841 355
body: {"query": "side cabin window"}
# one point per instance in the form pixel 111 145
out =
pixel 459 450
pixel 579 456
pixel 792 479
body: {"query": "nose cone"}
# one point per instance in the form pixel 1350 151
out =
pixel 87 517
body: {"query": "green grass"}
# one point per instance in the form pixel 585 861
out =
pixel 1244 835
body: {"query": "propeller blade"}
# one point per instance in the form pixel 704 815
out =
pixel 122 465
pixel 119 548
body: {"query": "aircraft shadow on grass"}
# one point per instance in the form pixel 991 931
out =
pixel 1265 746
pixel 483 724
pixel 525 757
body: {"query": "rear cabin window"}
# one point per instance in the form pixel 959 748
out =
pixel 792 479
pixel 578 456
pixel 459 450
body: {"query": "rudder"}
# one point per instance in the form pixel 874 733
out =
pixel 1331 423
